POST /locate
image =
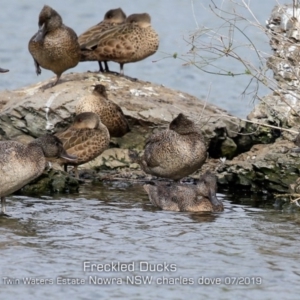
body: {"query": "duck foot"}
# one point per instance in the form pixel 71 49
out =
pixel 113 73
pixel 2 214
pixel 97 71
pixel 3 70
pixel 128 77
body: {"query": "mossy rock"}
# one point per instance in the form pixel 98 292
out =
pixel 53 181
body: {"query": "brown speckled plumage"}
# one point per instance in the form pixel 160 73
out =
pixel 180 197
pixel 112 18
pixel 54 47
pixel 129 42
pixel 175 152
pixel 20 164
pixel 111 114
pixel 86 138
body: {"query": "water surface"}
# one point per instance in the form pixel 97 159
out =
pixel 251 251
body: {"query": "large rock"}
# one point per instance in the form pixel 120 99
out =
pixel 32 111
pixel 273 167
pixel 264 168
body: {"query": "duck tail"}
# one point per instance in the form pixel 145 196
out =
pixel 87 55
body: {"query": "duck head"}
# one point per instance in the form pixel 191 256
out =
pixel 87 120
pixel 115 16
pixel 208 187
pixel 182 125
pixel 143 20
pixel 53 147
pixel 100 89
pixel 49 19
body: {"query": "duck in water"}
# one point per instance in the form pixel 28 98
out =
pixel 182 197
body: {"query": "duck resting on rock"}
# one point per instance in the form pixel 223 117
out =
pixel 175 152
pixel 126 43
pixel 111 114
pixel 55 46
pixel 86 138
pixel 112 18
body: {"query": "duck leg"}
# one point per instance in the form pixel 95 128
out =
pixel 50 84
pixel 121 69
pixel 57 78
pixel 122 73
pixel 3 207
pixel 76 173
pixel 106 66
pixel 100 67
pixel 38 70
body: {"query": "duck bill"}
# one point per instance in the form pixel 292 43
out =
pixel 40 34
pixel 296 150
pixel 146 188
pixel 213 197
pixel 67 156
pixel 3 70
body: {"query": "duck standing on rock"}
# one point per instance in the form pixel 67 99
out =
pixel 126 43
pixel 110 113
pixel 112 18
pixel 86 138
pixel 182 197
pixel 20 164
pixel 175 152
pixel 55 46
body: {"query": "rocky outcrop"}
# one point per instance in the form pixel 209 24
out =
pixel 32 111
pixel 273 167
pixel 265 168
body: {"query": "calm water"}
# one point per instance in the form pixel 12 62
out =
pixel 52 238
pixel 250 251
